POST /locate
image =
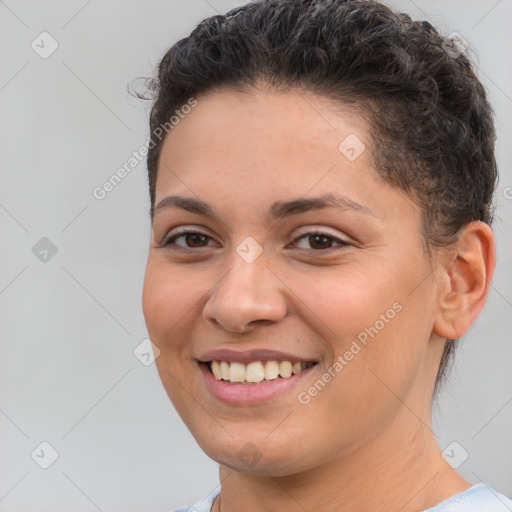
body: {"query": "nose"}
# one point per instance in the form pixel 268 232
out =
pixel 248 295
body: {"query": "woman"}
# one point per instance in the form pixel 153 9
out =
pixel 321 178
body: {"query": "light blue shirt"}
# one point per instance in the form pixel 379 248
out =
pixel 479 498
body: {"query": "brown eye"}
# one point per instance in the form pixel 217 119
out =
pixel 196 240
pixel 320 241
pixel 187 240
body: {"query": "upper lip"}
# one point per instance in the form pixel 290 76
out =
pixel 249 356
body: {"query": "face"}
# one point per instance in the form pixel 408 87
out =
pixel 277 249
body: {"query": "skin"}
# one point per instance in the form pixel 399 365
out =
pixel 365 442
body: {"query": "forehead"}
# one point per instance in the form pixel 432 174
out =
pixel 271 132
pixel 256 116
pixel 244 149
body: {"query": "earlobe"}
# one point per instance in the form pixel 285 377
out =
pixel 466 277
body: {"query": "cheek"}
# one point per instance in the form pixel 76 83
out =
pixel 346 301
pixel 168 300
pixel 378 331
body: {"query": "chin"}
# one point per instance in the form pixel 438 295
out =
pixel 258 458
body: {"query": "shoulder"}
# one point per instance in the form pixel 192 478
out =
pixel 479 498
pixel 204 505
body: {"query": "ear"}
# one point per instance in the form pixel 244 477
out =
pixel 465 277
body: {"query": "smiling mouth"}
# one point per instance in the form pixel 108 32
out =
pixel 257 371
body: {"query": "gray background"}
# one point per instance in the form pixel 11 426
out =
pixel 68 375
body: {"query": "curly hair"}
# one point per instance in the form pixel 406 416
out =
pixel 432 130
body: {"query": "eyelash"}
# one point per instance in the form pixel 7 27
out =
pixel 170 241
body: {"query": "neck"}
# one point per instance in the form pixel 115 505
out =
pixel 401 470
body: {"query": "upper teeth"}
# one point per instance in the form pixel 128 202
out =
pixel 256 371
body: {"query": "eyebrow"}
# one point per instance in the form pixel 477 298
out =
pixel 278 210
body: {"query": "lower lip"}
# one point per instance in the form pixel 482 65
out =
pixel 251 394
